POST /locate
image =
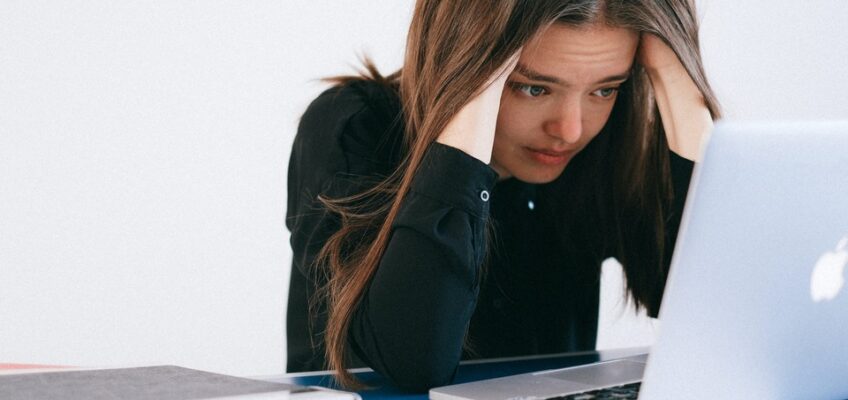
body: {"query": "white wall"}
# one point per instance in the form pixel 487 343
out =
pixel 778 59
pixel 143 152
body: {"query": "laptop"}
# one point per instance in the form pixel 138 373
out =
pixel 755 305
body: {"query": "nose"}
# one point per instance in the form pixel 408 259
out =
pixel 566 125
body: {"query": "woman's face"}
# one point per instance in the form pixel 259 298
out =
pixel 558 98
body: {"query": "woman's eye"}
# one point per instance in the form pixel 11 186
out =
pixel 530 90
pixel 605 93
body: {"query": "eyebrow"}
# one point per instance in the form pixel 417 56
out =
pixel 536 76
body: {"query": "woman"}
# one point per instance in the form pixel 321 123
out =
pixel 461 207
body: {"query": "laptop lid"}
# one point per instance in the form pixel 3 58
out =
pixel 755 305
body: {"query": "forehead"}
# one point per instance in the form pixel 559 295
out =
pixel 578 54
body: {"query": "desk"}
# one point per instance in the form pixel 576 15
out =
pixel 468 371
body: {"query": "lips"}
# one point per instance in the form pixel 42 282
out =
pixel 552 153
pixel 549 156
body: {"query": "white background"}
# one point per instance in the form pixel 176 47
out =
pixel 144 146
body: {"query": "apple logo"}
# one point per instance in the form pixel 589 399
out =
pixel 827 279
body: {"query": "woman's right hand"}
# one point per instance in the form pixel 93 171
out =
pixel 472 129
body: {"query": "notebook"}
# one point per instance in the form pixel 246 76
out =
pixel 755 305
pixel 164 382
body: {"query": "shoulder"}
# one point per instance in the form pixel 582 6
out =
pixel 349 132
pixel 347 100
pixel 360 121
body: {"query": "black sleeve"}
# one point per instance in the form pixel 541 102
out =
pixel 319 165
pixel 411 323
pixel 681 175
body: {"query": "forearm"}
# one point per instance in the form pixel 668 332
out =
pixel 411 324
pixel 684 113
pixel 412 321
pixel 472 129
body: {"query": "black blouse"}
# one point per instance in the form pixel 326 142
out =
pixel 430 290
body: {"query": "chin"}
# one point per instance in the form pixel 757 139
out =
pixel 538 176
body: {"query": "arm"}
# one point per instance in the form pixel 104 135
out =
pixel 411 323
pixel 472 129
pixel 687 123
pixel 685 116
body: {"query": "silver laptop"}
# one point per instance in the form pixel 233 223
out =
pixel 754 307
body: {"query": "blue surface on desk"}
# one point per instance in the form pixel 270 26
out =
pixel 469 371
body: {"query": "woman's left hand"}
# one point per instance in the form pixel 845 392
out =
pixel 685 116
pixel 654 55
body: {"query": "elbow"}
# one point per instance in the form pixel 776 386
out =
pixel 409 365
pixel 423 375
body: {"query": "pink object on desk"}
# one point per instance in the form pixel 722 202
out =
pixel 28 366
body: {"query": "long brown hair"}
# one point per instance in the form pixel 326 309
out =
pixel 453 47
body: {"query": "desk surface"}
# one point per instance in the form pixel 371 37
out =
pixel 468 371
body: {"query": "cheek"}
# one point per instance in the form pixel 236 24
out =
pixel 509 122
pixel 516 121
